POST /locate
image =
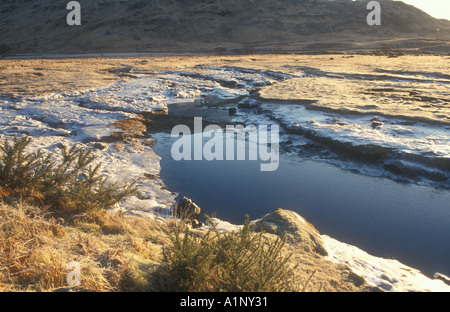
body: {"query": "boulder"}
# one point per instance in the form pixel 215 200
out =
pixel 184 208
pixel 298 230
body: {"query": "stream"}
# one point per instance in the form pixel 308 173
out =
pixel 385 218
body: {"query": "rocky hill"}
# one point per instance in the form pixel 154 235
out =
pixel 220 26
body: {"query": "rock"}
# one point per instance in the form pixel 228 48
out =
pixel 159 111
pixel 184 208
pixel 249 103
pixel 376 123
pixel 100 146
pixel 302 232
pixel 232 111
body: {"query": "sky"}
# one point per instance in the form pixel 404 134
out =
pixel 436 8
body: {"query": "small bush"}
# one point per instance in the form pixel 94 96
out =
pixel 226 261
pixel 72 184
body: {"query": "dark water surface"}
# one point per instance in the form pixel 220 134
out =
pixel 407 222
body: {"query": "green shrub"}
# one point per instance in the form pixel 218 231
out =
pixel 234 261
pixel 70 184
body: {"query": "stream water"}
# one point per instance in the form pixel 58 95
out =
pixel 388 219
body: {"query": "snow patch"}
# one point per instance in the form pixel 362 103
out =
pixel 390 275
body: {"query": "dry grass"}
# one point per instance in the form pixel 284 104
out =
pixel 126 129
pixel 19 79
pixel 120 253
pixel 116 253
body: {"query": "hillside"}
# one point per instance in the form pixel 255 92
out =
pixel 220 26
